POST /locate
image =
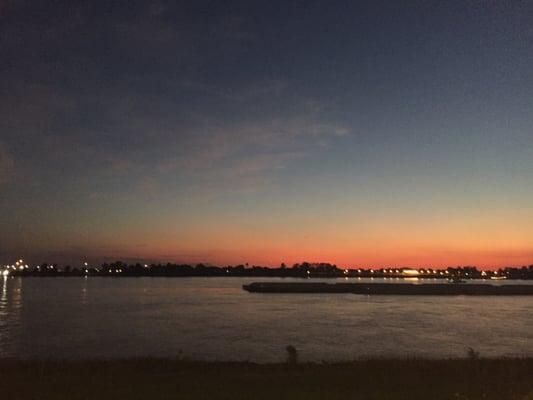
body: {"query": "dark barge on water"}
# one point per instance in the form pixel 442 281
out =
pixel 426 289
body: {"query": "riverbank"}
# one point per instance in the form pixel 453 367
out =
pixel 497 379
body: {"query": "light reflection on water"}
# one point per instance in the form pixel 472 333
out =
pixel 10 307
pixel 213 318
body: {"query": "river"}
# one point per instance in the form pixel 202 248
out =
pixel 214 319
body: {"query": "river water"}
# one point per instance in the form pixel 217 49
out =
pixel 214 319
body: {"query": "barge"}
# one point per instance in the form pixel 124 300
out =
pixel 410 289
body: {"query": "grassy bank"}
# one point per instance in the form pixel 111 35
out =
pixel 177 379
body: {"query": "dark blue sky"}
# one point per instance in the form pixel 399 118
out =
pixel 373 133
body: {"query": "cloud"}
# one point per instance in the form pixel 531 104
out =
pixel 156 105
pixel 7 164
pixel 270 138
pixel 147 138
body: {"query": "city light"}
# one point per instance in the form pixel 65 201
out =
pixel 410 272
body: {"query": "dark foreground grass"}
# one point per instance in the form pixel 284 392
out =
pixel 497 379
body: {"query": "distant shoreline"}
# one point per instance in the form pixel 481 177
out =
pixel 143 378
pixel 303 270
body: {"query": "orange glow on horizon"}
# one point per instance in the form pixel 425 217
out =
pixel 488 242
pixel 358 257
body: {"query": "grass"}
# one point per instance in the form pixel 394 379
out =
pixel 458 379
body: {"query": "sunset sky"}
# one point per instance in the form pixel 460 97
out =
pixel 362 133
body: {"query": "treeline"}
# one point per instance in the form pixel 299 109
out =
pixel 304 269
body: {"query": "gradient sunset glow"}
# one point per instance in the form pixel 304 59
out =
pixel 372 134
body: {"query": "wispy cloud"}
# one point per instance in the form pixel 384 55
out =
pixel 156 115
pixel 270 137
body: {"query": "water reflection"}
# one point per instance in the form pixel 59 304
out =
pixel 4 288
pixel 3 299
pixel 84 291
pixel 10 309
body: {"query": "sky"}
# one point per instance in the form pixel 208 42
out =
pixel 361 133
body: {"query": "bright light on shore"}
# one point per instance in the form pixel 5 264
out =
pixel 5 273
pixel 410 272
